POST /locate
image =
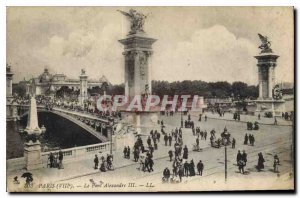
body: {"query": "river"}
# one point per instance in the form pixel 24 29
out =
pixel 60 133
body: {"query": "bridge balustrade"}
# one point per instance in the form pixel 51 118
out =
pixel 78 152
pixel 70 154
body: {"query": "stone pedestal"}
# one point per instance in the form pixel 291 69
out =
pixel 32 154
pixel 125 140
pixel 142 122
pixel 274 106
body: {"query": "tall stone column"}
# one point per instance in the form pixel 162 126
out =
pixel 266 76
pixel 83 87
pixel 270 83
pixel 9 78
pixel 137 55
pixel 260 83
pixel 266 64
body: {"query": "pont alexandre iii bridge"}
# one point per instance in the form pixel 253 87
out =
pixel 90 123
pixel 98 127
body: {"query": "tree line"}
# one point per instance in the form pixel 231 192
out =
pixel 221 89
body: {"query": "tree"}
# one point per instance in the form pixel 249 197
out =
pixel 239 90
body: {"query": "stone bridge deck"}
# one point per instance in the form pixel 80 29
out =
pixel 86 121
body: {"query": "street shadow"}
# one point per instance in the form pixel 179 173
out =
pixel 245 172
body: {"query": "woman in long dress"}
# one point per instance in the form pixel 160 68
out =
pixel 192 168
pixel 260 163
pixel 185 153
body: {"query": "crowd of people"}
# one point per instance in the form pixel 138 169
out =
pixel 88 106
pixel 249 138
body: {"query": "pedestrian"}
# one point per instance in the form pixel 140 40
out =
pixel 186 169
pixel 96 161
pixel 233 143
pixel 200 116
pixel 60 158
pixel 151 163
pixel 244 157
pixel 180 172
pixel 276 164
pixel 166 174
pixel 136 154
pixel 192 168
pixel 158 136
pixel 241 165
pixel 238 156
pixel 260 163
pixel 246 139
pixel 149 141
pixel 275 121
pixel 205 134
pixel 170 155
pixel 258 116
pixel 125 152
pixel 170 140
pixel 128 152
pixel 185 152
pixel 253 140
pixel 166 139
pixel 102 166
pixel 51 159
pixel 155 144
pixel 197 142
pixel 205 118
pixel 175 168
pixel 200 167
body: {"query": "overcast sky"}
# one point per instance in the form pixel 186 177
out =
pixel 196 43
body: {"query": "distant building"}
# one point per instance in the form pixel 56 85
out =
pixel 47 83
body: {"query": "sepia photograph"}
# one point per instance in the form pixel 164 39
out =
pixel 150 99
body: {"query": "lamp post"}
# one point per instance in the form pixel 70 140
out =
pixel 110 131
pixel 225 142
pixel 181 114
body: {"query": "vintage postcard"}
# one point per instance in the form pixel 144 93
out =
pixel 150 99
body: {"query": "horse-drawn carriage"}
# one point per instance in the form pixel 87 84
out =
pixel 223 141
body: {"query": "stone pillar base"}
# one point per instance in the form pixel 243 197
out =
pixel 142 122
pixel 32 154
pixel 269 105
pixel 33 131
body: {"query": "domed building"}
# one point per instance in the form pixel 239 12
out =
pixel 45 77
pixel 50 84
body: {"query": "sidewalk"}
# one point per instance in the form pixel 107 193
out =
pixel 85 164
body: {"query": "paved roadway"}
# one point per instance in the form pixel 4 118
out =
pixel 270 140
